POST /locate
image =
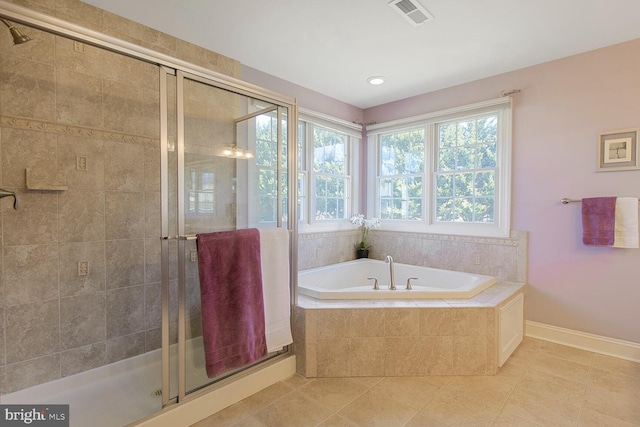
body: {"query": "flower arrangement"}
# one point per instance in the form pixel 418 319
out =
pixel 366 224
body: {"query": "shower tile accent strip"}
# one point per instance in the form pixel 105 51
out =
pixel 400 338
pixel 79 131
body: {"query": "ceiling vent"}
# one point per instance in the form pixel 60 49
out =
pixel 412 11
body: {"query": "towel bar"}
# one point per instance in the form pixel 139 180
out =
pixel 567 200
pixel 186 237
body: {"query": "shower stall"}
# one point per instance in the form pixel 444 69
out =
pixel 119 156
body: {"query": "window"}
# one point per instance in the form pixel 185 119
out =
pixel 201 189
pixel 448 171
pixel 330 174
pixel 401 174
pixel 327 148
pixel 466 169
pixel 267 167
pixel 328 152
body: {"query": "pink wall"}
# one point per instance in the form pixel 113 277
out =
pixel 562 106
pixel 306 98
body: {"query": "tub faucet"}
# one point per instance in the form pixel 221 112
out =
pixel 392 281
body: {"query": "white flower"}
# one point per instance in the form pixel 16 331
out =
pixel 366 225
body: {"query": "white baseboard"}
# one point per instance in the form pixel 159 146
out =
pixel 192 411
pixel 598 344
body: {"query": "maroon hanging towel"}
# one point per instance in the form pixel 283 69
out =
pixel 598 221
pixel 233 323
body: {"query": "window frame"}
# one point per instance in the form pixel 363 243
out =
pixel 353 132
pixel 428 224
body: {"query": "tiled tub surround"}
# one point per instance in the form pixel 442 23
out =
pixel 503 258
pixel 401 338
pixel 90 116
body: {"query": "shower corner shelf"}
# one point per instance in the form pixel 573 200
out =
pixel 46 180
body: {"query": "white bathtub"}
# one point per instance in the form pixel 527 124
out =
pixel 117 394
pixel 349 280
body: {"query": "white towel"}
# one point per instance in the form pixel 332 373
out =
pixel 274 259
pixel 626 223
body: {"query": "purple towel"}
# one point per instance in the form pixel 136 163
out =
pixel 598 221
pixel 233 325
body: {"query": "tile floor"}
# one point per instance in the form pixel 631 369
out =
pixel 542 384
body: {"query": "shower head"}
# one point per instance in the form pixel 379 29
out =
pixel 18 36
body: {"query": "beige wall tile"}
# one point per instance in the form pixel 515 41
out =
pixel 80 13
pixel 78 98
pixel 436 322
pixel 29 91
pixel 368 322
pixel 122 104
pixel 124 166
pixel 35 221
pixel 92 151
pixel 470 321
pixel 367 357
pixel 126 346
pixel 91 60
pixel 125 313
pixel 151 169
pixel 401 322
pixel 32 372
pixel 470 355
pixel 30 274
pixel 124 263
pixel 81 215
pixel 82 320
pixel 401 356
pixel 23 149
pixel 152 260
pixel 124 217
pixel 70 254
pixel 44 6
pixel 83 358
pixel 333 357
pixel 436 355
pixel 32 330
pixel 333 324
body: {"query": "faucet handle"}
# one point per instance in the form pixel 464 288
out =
pixel 409 282
pixel 375 283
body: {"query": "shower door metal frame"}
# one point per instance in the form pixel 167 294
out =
pixel 182 237
pixel 168 66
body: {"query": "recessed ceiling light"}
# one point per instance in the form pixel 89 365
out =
pixel 376 80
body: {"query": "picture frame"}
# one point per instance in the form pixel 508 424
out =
pixel 617 150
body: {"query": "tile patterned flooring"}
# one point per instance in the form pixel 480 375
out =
pixel 542 384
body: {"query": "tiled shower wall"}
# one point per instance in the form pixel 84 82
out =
pixel 504 258
pixel 86 120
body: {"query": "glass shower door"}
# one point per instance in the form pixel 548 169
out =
pixel 218 169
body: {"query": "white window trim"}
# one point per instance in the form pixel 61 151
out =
pixel 502 225
pixel 354 134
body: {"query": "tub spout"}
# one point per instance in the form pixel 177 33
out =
pixel 392 280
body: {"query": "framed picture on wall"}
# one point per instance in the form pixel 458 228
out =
pixel 617 150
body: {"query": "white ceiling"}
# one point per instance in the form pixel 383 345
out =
pixel 333 46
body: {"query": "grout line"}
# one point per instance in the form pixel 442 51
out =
pixel 516 384
pixel 584 394
pixel 437 393
pixel 341 407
